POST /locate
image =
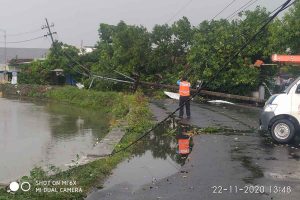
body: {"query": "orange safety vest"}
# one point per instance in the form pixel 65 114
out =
pixel 184 146
pixel 184 88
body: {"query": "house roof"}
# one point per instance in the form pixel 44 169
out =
pixel 22 53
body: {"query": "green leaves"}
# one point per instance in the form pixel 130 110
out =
pixel 291 28
pixel 169 51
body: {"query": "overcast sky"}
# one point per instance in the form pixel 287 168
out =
pixel 77 20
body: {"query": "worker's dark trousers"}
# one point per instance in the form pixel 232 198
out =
pixel 182 99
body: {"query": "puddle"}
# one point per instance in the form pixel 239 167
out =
pixel 141 170
pixel 155 158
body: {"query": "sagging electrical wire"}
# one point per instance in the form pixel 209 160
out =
pixel 91 74
pixel 87 73
pixel 22 41
pixel 168 22
pixel 24 33
pixel 179 11
pixel 244 7
pixel 223 9
pixel 283 7
pixel 263 21
pixel 78 71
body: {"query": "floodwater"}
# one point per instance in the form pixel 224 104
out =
pixel 43 134
pixel 154 158
pixel 239 157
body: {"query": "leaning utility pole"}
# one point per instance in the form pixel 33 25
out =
pixel 50 33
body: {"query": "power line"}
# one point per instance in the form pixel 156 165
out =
pixel 223 9
pixel 289 5
pixel 245 6
pixel 184 6
pixel 72 68
pixel 89 72
pixel 212 78
pixel 179 11
pixel 22 41
pixel 86 72
pixel 270 14
pixel 24 33
pixel 240 9
pixel 263 21
pixel 50 33
pixel 282 9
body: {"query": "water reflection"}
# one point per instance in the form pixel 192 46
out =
pixel 154 158
pixel 67 121
pixel 184 142
pixel 163 142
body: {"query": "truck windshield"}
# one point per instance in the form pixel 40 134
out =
pixel 287 90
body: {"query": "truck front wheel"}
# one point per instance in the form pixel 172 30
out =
pixel 283 131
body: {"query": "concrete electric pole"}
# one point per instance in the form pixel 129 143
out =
pixel 50 33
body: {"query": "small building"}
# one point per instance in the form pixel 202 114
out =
pixel 57 77
pixel 14 67
pixel 13 58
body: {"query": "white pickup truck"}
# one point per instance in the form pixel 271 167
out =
pixel 281 114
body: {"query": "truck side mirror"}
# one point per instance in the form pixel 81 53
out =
pixel 298 89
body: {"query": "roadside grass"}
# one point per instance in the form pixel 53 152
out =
pixel 111 102
pixel 154 93
pixel 132 108
pixel 210 130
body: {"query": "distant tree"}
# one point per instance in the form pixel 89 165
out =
pixel 161 50
pixel 248 25
pixel 291 29
pixel 131 46
pixel 60 56
pixel 170 46
pixel 213 45
pixel 66 57
pixel 182 37
pixel 34 73
pixel 124 48
pixel 169 51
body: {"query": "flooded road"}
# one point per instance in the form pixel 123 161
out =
pixel 155 158
pixel 42 134
pixel 240 163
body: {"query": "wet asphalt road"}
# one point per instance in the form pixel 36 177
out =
pixel 223 165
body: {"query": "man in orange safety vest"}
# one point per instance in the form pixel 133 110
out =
pixel 184 91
